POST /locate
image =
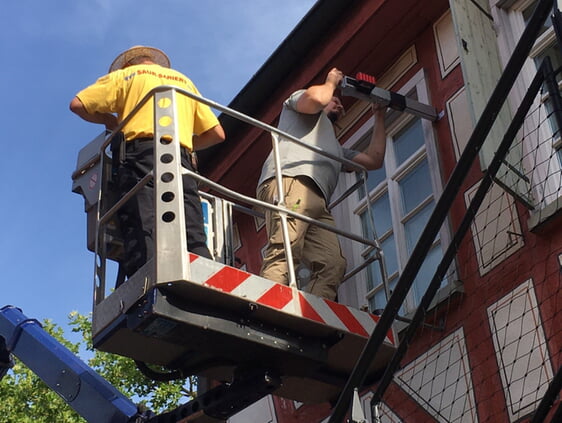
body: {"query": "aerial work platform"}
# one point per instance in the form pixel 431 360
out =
pixel 225 320
pixel 196 316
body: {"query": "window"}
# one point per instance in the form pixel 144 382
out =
pixel 539 138
pixel 546 45
pixel 402 196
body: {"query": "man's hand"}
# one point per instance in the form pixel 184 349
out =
pixel 334 77
pixel 378 109
pixel 316 97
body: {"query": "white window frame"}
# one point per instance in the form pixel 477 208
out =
pixel 510 26
pixel 417 83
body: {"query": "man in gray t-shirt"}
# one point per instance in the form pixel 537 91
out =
pixel 309 180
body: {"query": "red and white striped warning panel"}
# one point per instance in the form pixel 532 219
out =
pixel 262 291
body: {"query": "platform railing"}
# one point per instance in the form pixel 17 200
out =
pixel 284 212
pixel 170 262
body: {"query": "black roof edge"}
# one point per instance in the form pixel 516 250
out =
pixel 323 15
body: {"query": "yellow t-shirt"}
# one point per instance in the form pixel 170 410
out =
pixel 120 91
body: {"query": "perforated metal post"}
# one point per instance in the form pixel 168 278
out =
pixel 170 249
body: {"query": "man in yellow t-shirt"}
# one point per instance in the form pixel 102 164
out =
pixel 108 101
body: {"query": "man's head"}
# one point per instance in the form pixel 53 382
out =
pixel 138 54
pixel 334 109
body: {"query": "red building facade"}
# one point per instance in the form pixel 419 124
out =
pixel 491 341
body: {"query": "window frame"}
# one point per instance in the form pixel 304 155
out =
pixel 511 25
pixel 428 151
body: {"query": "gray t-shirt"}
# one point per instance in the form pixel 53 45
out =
pixel 296 160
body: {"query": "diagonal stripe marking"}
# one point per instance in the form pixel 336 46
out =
pixel 347 318
pixel 253 288
pixel 308 311
pixel 389 334
pixel 227 279
pixel 277 297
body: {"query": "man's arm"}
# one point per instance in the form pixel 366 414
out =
pixel 373 157
pixel 210 137
pixel 316 97
pixel 107 119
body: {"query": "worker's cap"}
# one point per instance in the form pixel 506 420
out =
pixel 157 56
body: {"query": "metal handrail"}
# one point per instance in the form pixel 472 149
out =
pixel 255 202
pixel 284 212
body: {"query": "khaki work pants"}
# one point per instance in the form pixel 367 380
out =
pixel 312 246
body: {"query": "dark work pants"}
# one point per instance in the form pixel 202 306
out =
pixel 136 218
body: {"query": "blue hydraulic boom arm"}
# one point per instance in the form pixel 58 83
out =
pixel 97 400
pixel 84 390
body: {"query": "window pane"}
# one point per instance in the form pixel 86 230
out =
pixel 382 217
pixel 554 52
pixel 408 141
pixel 415 187
pixel 378 300
pixel 390 259
pixel 426 272
pixel 415 225
pixel 528 12
pixel 374 178
pixel 389 249
pixel 556 56
pixel 382 214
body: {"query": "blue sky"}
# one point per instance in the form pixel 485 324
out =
pixel 50 50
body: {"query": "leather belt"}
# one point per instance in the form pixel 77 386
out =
pixel 134 145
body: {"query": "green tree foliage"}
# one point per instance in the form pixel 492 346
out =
pixel 26 399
